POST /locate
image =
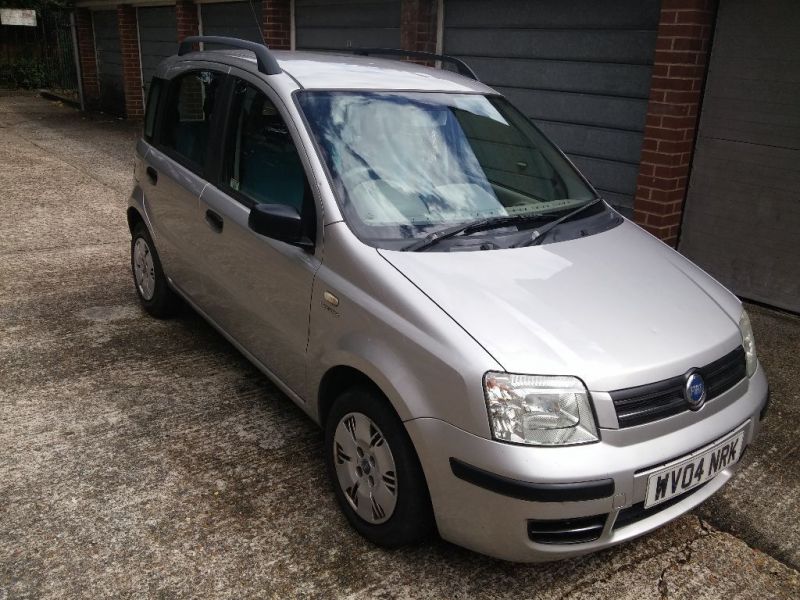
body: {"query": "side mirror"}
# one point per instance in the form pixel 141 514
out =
pixel 279 222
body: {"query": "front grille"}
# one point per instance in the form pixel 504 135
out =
pixel 567 531
pixel 637 512
pixel 654 401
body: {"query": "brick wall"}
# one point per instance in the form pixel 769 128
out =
pixel 276 26
pixel 87 57
pixel 131 67
pixel 681 59
pixel 186 17
pixel 418 25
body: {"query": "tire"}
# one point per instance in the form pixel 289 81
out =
pixel 410 518
pixel 153 290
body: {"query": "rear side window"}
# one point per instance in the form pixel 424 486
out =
pixel 262 162
pixel 188 115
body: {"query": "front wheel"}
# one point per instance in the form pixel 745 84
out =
pixel 375 471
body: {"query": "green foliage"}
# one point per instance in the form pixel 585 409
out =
pixel 26 73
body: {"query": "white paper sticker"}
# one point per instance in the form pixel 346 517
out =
pixel 18 16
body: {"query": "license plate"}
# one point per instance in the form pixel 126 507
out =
pixel 695 470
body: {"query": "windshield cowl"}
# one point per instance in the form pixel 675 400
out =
pixel 593 219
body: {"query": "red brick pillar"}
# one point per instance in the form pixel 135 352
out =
pixel 681 59
pixel 418 25
pixel 186 17
pixel 87 57
pixel 131 66
pixel 276 23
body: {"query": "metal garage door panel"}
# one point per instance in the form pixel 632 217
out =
pixel 338 24
pixel 109 61
pixel 158 38
pixel 600 79
pixel 623 146
pixel 580 69
pixel 743 207
pixel 631 47
pixel 551 14
pixel 232 19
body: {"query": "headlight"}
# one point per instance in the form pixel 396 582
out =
pixel 539 410
pixel 749 343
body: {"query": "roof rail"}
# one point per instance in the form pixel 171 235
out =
pixel 264 58
pixel 462 67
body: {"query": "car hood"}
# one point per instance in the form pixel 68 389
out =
pixel 616 309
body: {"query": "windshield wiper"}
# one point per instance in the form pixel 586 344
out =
pixel 466 228
pixel 540 234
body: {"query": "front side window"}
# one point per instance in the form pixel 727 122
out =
pixel 262 162
pixel 404 165
pixel 188 115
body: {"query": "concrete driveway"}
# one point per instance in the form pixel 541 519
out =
pixel 145 458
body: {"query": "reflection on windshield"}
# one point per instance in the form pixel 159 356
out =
pixel 404 164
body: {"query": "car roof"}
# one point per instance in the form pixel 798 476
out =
pixel 341 71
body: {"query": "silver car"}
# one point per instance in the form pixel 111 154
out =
pixel 492 350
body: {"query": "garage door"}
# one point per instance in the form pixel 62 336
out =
pixel 338 24
pixel 232 19
pixel 109 61
pixel 742 214
pixel 157 38
pixel 579 68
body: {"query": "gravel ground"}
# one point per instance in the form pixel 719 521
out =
pixel 149 459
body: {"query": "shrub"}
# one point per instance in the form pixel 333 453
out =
pixel 26 73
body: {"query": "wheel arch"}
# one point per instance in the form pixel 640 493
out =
pixel 134 217
pixel 335 381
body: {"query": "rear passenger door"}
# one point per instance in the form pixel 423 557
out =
pixel 188 115
pixel 264 285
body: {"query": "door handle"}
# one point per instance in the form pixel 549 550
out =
pixel 214 221
pixel 152 175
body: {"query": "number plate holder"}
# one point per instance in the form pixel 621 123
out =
pixel 694 470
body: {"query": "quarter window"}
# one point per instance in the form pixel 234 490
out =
pixel 152 106
pixel 262 163
pixel 188 115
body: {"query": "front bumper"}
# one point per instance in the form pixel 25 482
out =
pixel 496 523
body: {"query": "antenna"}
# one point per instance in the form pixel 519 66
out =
pixel 258 23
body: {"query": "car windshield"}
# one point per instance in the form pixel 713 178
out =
pixel 405 165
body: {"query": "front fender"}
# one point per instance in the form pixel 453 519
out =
pixel 386 328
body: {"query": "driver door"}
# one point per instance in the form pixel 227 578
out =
pixel 262 286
